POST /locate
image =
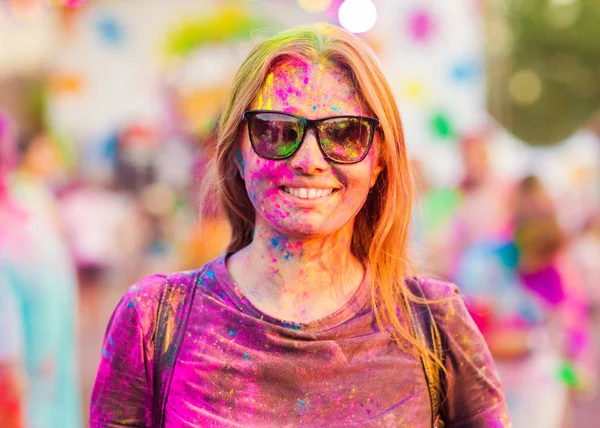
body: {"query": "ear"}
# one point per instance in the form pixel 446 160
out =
pixel 378 164
pixel 239 162
pixel 377 168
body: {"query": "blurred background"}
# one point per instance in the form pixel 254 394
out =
pixel 107 113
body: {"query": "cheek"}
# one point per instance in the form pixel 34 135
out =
pixel 262 177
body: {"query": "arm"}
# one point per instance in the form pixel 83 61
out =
pixel 122 394
pixel 474 395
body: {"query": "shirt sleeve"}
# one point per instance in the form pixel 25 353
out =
pixel 474 396
pixel 122 394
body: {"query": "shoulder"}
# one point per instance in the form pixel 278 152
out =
pixel 448 308
pixel 142 300
pixel 436 289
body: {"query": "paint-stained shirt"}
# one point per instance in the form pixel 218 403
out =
pixel 238 366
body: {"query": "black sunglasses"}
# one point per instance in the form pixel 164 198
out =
pixel 277 135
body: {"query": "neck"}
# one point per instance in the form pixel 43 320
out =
pixel 297 279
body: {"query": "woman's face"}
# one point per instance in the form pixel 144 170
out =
pixel 285 193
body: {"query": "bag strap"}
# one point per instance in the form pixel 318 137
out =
pixel 173 314
pixel 425 330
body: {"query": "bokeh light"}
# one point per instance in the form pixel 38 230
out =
pixel 357 16
pixel 525 87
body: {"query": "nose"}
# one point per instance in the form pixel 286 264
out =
pixel 309 159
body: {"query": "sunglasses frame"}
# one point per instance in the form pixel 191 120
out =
pixel 307 124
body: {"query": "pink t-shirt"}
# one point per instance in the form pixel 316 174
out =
pixel 240 367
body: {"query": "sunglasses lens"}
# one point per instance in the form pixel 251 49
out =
pixel 274 135
pixel 345 139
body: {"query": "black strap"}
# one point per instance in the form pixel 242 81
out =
pixel 173 314
pixel 425 329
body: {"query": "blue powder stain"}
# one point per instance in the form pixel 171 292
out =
pixel 240 160
pixel 246 356
pixel 232 332
pixel 274 242
pixel 314 107
pixel 288 255
pixel 301 406
pixel 104 352
pixel 336 108
pixel 210 274
pixel 130 304
pixel 110 341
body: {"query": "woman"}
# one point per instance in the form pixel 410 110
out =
pixel 305 321
pixel 38 292
pixel 527 299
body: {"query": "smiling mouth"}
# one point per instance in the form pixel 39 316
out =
pixel 308 193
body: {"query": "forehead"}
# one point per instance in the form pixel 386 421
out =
pixel 310 88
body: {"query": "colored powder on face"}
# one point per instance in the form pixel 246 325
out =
pixel 268 86
pixel 335 108
pixel 282 94
pixel 274 242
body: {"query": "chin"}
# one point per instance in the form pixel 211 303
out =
pixel 307 228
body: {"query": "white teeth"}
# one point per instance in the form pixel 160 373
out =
pixel 304 193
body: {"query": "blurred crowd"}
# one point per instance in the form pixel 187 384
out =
pixel 71 243
pixel 530 283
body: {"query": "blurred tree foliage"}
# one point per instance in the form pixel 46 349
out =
pixel 543 66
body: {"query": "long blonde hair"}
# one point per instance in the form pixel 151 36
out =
pixel 382 225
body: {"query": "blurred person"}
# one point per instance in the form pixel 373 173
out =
pixel 527 300
pixel 98 218
pixel 12 376
pixel 483 207
pixel 310 317
pixel 37 295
